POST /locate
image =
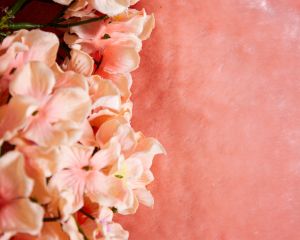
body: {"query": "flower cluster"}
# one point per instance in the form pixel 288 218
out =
pixel 70 158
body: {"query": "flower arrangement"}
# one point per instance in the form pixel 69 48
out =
pixel 70 159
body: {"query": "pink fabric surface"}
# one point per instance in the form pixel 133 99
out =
pixel 219 86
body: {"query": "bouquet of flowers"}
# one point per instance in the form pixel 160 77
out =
pixel 70 159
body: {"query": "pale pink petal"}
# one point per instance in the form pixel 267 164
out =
pixel 144 196
pixel 62 204
pixel 80 62
pixel 114 231
pixel 39 162
pixel 99 116
pixel 8 59
pixel 77 156
pixel 68 104
pixel 106 156
pixel 14 182
pixel 43 133
pixel 43 46
pixel 87 138
pixel 63 2
pixel 90 31
pixel 104 93
pixel 73 180
pixel 70 227
pixel 133 169
pixel 22 215
pixel 72 131
pixel 148 27
pixel 105 215
pixel 133 21
pixel 105 190
pixel 69 79
pixel 146 149
pixel 110 7
pixel 132 2
pixel 45 158
pixel 122 81
pixel 14 116
pixel 130 206
pixel 120 59
pixel 120 129
pixel 35 79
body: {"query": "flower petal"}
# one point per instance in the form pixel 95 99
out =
pixel 110 7
pixel 104 93
pixel 120 59
pixel 76 156
pixel 43 46
pixel 80 62
pixel 107 156
pixel 72 180
pixel 105 190
pixel 35 80
pixel 144 196
pixel 14 116
pixel 23 216
pixel 14 182
pixel 68 104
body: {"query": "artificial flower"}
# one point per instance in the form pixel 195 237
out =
pixel 17 212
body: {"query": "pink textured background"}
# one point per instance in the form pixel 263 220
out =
pixel 219 85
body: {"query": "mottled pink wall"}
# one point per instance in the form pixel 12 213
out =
pixel 219 85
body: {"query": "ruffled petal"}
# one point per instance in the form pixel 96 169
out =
pixel 144 196
pixel 107 156
pixel 70 227
pixel 34 80
pixel 14 116
pixel 80 62
pixel 68 104
pixel 105 190
pixel 72 180
pixel 23 216
pixel 14 182
pixel 120 59
pixel 77 156
pixel 110 7
pixel 43 46
pixel 69 79
pixel 104 93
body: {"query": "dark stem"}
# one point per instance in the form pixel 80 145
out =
pixel 16 7
pixel 49 219
pixel 24 25
pixel 87 214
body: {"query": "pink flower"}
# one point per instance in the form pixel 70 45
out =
pixel 81 173
pixel 21 47
pixel 107 229
pixel 133 166
pixel 114 44
pixel 17 212
pixel 58 113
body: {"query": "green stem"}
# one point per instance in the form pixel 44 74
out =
pixel 17 26
pixel 24 25
pixel 4 21
pixel 16 7
pixel 67 25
